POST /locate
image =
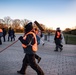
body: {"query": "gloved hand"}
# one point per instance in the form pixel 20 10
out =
pixel 20 37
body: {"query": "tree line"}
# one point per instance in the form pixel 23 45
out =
pixel 70 31
pixel 18 25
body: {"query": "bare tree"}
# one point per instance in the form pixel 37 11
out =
pixel 7 21
pixel 24 22
pixel 16 24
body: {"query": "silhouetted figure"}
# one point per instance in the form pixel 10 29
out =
pixel 12 34
pixel 1 34
pixel 49 36
pixel 58 39
pixel 42 39
pixel 4 34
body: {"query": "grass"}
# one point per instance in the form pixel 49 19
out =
pixel 70 39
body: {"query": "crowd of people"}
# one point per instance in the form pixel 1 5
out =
pixel 10 33
pixel 30 40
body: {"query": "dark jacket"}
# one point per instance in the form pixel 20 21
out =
pixel 60 37
pixel 9 32
pixel 1 32
pixel 26 42
pixel 4 32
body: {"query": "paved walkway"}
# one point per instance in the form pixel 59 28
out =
pixel 52 63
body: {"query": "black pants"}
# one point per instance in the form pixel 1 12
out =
pixel 29 59
pixel 13 38
pixel 9 37
pixel 4 38
pixel 0 41
pixel 58 44
pixel 36 56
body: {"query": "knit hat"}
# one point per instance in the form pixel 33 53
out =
pixel 58 28
pixel 29 27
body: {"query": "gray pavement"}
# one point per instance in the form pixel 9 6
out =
pixel 52 63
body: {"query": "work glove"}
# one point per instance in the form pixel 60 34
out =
pixel 20 38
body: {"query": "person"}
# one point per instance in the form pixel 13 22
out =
pixel 9 34
pixel 58 39
pixel 29 44
pixel 12 34
pixel 37 36
pixel 42 41
pixel 35 30
pixel 40 35
pixel 4 34
pixel 1 34
pixel 49 36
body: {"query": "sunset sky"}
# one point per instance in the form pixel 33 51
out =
pixel 52 13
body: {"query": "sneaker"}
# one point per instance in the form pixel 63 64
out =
pixel 39 59
pixel 0 43
pixel 20 72
pixel 56 50
pixel 61 49
pixel 43 44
